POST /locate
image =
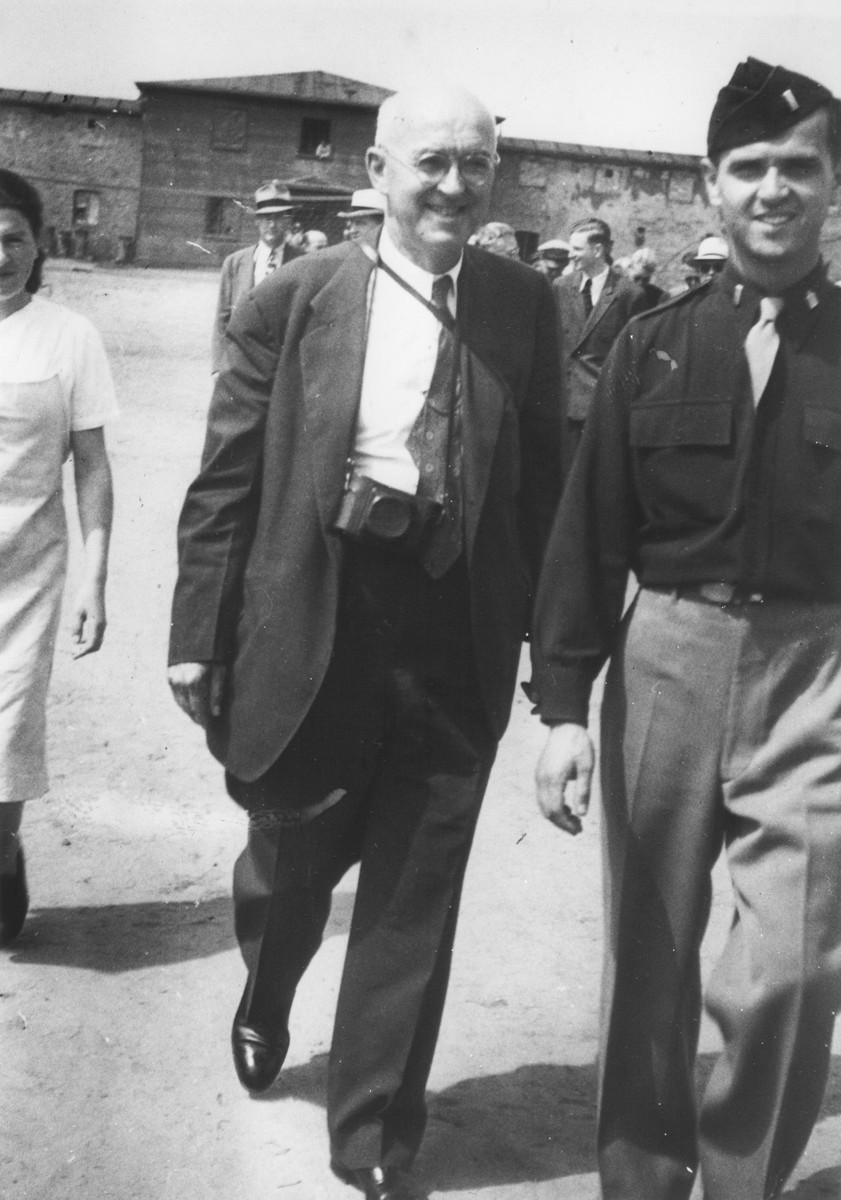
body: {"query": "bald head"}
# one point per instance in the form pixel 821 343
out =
pixel 402 112
pixel 434 161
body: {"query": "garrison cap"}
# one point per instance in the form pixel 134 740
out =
pixel 761 102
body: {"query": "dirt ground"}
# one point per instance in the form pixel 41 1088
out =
pixel 116 1002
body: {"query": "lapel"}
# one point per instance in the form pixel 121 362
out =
pixel 246 269
pixel 332 359
pixel 484 392
pixel 608 295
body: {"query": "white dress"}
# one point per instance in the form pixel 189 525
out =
pixel 54 379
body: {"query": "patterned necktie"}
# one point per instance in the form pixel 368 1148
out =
pixel 274 261
pixel 587 295
pixel 761 345
pixel 433 434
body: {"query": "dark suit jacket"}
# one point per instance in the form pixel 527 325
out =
pixel 236 281
pixel 585 341
pixel 259 565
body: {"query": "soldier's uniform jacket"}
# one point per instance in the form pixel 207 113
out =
pixel 681 480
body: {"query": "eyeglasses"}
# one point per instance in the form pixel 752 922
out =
pixel 475 169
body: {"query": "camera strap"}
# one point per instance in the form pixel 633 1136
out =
pixel 441 314
pixel 445 317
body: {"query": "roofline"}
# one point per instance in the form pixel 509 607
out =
pixel 241 93
pixel 71 103
pixel 594 154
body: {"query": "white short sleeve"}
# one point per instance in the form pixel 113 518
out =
pixel 44 340
pixel 93 400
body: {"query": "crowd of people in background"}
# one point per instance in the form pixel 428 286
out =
pixel 364 216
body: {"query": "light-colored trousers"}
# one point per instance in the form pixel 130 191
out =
pixel 719 727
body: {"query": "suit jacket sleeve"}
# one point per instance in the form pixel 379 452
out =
pixel 224 308
pixel 540 434
pixel 219 515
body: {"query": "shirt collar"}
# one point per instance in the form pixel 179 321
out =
pixel 806 292
pixel 419 279
pixel 804 301
pixel 595 278
pixel 262 252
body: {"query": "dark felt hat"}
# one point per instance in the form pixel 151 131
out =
pixel 761 102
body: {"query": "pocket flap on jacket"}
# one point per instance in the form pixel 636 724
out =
pixel 823 426
pixel 695 423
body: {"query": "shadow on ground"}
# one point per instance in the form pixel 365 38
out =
pixel 128 937
pixel 823 1185
pixel 533 1124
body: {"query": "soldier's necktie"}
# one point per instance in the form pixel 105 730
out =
pixel 435 444
pixel 587 296
pixel 762 343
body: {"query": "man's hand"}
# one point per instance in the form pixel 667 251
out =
pixel 198 688
pixel 566 763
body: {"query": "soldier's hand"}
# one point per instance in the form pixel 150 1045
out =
pixel 564 775
pixel 198 688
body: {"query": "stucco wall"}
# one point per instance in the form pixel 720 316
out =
pixel 63 152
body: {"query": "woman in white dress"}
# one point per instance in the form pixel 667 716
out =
pixel 55 394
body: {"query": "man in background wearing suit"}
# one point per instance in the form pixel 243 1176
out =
pixel 357 559
pixel 244 269
pixel 594 302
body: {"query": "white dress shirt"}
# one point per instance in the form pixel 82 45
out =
pixel 597 283
pixel 402 345
pixel 262 254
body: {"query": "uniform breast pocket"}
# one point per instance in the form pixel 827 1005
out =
pixel 683 459
pixel 822 427
pixel 682 424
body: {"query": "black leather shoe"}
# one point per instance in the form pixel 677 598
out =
pixel 14 901
pixel 378 1184
pixel 258 1058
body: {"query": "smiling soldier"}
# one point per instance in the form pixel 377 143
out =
pixel 711 468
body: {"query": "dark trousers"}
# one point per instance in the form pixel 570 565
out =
pixel 398 732
pixel 720 727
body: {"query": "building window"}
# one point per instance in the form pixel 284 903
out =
pixel 229 130
pixel 222 216
pixel 85 209
pixel 315 138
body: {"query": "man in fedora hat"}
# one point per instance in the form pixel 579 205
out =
pixel 244 269
pixel 711 467
pixel 364 218
pixel 707 260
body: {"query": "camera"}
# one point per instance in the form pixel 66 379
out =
pixel 380 515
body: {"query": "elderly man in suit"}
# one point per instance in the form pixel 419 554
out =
pixel 244 269
pixel 595 303
pixel 357 557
